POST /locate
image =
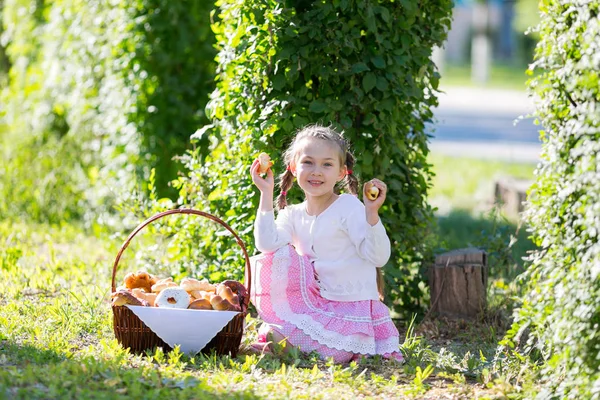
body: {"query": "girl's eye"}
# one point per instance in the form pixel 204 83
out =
pixel 328 164
pixel 306 162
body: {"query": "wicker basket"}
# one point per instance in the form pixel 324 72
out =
pixel 132 333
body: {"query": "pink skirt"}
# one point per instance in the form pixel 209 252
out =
pixel 287 298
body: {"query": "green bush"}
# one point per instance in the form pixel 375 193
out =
pixel 562 307
pixel 98 94
pixel 362 66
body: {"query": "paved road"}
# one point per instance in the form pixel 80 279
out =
pixel 486 123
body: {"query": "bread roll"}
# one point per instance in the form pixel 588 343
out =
pixel 162 285
pixel 227 294
pixel 122 298
pixel 200 304
pixel 237 288
pixel 222 304
pixel 140 279
pixel 149 297
pixel 191 284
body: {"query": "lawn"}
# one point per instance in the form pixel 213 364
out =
pixel 501 76
pixel 56 338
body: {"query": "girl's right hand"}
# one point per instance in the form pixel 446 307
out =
pixel 266 184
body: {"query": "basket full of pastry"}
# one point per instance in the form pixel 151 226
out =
pixel 150 311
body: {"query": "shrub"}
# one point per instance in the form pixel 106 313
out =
pixel 98 94
pixel 562 306
pixel 362 66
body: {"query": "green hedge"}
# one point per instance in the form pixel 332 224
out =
pixel 363 66
pixel 98 94
pixel 561 310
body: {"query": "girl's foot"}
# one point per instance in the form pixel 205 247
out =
pixel 260 348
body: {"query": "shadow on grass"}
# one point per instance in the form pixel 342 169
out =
pixel 28 372
pixel 504 241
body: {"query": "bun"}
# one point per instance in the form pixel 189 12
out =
pixel 162 285
pixel 122 298
pixel 140 279
pixel 191 284
pixel 265 163
pixel 149 297
pixel 200 304
pixel 201 294
pixel 227 294
pixel 237 288
pixel 221 304
pixel 371 191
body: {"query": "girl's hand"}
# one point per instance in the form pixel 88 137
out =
pixel 374 205
pixel 266 184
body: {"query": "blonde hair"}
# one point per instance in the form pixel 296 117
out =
pixel 350 182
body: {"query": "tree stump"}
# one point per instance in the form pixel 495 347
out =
pixel 458 283
pixel 511 194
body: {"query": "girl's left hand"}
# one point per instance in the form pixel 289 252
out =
pixel 374 205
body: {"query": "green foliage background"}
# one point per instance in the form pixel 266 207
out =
pixel 362 66
pixel 98 94
pixel 561 310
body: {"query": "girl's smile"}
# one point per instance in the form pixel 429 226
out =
pixel 318 167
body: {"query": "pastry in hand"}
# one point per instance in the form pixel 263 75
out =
pixel 371 191
pixel 264 163
pixel 123 297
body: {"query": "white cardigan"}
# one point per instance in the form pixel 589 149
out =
pixel 343 247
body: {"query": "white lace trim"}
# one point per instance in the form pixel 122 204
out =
pixel 356 343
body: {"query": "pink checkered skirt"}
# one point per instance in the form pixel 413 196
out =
pixel 287 298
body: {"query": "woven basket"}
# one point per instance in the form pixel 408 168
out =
pixel 133 334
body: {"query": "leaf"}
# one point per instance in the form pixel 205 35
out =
pixel 371 21
pixel 382 83
pixel 369 82
pixel 360 67
pixel 385 14
pixel 317 106
pixel 279 82
pixel 378 61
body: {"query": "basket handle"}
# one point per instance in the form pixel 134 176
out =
pixel 141 226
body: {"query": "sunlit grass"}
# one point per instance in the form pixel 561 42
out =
pixel 56 338
pixel 56 341
pixel 501 76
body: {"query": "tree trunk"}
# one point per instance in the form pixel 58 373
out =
pixel 458 283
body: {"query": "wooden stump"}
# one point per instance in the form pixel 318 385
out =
pixel 458 283
pixel 511 194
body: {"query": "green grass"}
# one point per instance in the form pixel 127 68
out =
pixel 501 76
pixel 56 338
pixel 468 183
pixel 56 341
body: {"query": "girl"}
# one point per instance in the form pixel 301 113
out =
pixel 316 285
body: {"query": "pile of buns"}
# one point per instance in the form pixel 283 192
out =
pixel 143 289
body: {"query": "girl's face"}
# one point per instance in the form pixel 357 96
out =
pixel 317 166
